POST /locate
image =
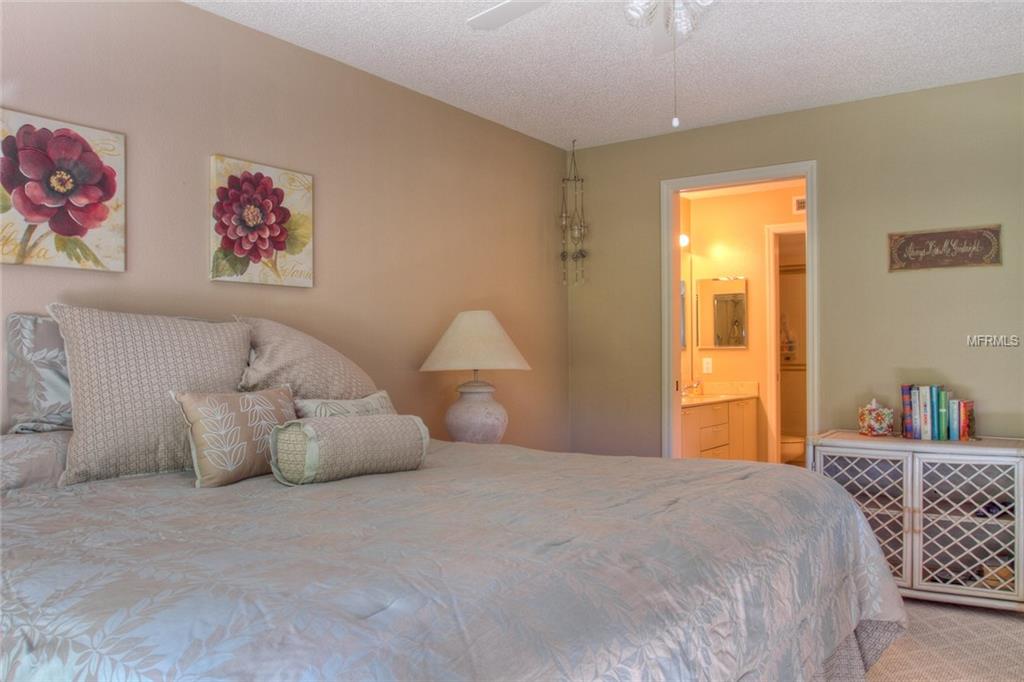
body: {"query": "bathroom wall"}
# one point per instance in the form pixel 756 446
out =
pixel 727 238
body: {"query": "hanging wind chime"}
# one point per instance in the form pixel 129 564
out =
pixel 573 224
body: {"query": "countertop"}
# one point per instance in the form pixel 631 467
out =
pixel 695 400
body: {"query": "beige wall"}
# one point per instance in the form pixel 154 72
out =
pixel 422 210
pixel 937 158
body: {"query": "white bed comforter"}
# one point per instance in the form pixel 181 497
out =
pixel 490 563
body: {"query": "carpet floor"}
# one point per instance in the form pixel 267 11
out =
pixel 954 644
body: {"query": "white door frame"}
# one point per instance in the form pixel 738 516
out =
pixel 772 392
pixel 670 395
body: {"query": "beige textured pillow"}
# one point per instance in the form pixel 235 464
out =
pixel 322 449
pixel 375 403
pixel 122 366
pixel 229 433
pixel 285 356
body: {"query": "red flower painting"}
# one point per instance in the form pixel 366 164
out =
pixel 250 217
pixel 55 179
pixel 261 223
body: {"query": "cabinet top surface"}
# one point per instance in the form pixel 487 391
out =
pixel 984 445
pixel 698 400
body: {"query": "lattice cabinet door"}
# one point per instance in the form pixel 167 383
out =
pixel 966 519
pixel 879 481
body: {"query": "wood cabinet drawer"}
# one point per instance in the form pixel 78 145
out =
pixel 714 436
pixel 712 415
pixel 721 452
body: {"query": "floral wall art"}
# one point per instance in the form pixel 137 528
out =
pixel 262 224
pixel 62 203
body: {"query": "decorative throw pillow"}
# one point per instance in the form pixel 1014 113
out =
pixel 322 449
pixel 229 433
pixel 285 356
pixel 38 390
pixel 122 367
pixel 375 403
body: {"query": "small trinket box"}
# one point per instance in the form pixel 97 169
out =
pixel 875 420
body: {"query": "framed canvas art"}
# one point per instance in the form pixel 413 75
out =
pixel 63 198
pixel 262 224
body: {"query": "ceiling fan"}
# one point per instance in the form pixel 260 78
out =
pixel 676 17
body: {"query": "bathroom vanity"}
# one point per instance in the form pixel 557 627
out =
pixel 720 426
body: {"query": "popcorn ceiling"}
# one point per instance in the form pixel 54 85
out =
pixel 578 70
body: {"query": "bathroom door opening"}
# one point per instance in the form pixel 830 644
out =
pixel 786 392
pixel 720 329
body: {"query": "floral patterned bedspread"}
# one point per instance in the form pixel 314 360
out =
pixel 490 563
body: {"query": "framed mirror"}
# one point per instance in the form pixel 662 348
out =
pixel 722 313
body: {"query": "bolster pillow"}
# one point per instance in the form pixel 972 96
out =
pixel 319 449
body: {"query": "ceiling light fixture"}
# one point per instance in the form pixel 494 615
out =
pixel 680 19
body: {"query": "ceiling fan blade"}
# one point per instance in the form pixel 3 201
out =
pixel 502 13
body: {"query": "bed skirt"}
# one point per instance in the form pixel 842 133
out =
pixel 857 653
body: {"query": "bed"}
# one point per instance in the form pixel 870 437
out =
pixel 488 563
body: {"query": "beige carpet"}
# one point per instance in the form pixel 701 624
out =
pixel 955 644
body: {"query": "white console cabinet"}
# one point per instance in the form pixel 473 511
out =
pixel 946 513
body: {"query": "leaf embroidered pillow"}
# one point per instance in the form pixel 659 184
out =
pixel 38 388
pixel 229 433
pixel 375 403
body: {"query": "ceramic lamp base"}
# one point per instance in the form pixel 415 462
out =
pixel 476 417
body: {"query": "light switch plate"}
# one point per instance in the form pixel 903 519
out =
pixel 706 365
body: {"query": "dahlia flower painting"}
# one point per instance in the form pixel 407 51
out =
pixel 262 224
pixel 62 202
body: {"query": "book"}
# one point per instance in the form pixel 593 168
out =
pixel 926 412
pixel 908 411
pixel 915 405
pixel 943 412
pixel 934 406
pixel 954 419
pixel 968 430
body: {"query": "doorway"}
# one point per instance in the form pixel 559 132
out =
pixel 785 392
pixel 720 260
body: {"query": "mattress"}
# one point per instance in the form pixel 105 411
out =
pixel 489 563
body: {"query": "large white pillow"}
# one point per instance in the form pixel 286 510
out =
pixel 122 366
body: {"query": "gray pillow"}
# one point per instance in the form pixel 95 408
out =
pixel 322 449
pixel 38 390
pixel 122 367
pixel 282 356
pixel 375 403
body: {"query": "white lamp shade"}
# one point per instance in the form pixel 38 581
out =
pixel 474 340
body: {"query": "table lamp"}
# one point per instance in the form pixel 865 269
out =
pixel 475 340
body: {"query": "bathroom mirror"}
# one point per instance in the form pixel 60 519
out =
pixel 722 313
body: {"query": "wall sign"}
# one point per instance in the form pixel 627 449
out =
pixel 945 248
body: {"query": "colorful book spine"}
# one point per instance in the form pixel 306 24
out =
pixel 915 404
pixel 967 422
pixel 908 411
pixel 934 406
pixel 926 412
pixel 943 414
pixel 954 419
